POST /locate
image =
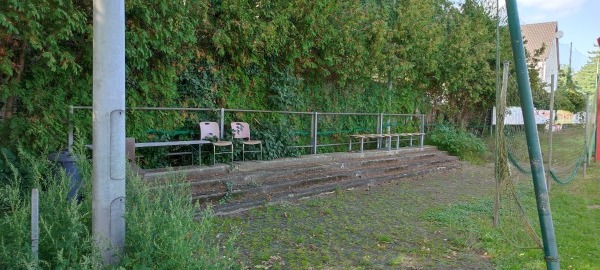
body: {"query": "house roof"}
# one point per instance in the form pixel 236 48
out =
pixel 537 35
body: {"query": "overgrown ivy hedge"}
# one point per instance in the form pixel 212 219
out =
pixel 425 56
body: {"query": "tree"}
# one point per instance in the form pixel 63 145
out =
pixel 586 77
pixel 469 59
pixel 568 95
pixel 45 57
pixel 46 62
pixel 541 98
pixel 305 55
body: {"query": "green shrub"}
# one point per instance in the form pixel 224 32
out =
pixel 6 158
pixel 64 225
pixel 459 143
pixel 162 230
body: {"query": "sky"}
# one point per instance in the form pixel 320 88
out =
pixel 579 20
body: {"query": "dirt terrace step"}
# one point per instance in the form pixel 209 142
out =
pixel 297 183
pixel 241 206
pixel 246 185
pixel 207 172
pixel 261 178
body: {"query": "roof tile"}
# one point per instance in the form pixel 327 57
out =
pixel 538 34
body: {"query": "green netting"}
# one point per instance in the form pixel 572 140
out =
pixel 513 160
pixel 553 173
pixel 564 145
pixel 571 176
pixel 561 145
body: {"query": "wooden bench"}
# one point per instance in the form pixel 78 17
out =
pixel 131 145
pixel 131 151
pixel 409 135
pixel 363 137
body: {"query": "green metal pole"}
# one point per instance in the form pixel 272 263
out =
pixel 533 143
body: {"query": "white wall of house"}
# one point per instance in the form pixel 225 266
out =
pixel 550 66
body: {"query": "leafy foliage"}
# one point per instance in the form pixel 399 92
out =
pixel 568 95
pixel 45 51
pixel 64 232
pixel 586 77
pixel 406 56
pixel 6 159
pixel 162 230
pixel 277 141
pixel 465 145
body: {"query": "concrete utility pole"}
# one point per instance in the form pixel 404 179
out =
pixel 108 192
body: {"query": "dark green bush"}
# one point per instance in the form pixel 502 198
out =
pixel 458 143
pixel 6 158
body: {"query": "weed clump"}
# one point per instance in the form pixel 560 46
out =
pixel 162 228
pixel 465 145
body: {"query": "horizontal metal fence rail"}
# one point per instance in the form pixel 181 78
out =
pixel 313 126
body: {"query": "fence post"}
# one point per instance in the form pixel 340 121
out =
pixel 422 142
pixel 35 231
pixel 587 128
pixel 551 130
pixel 597 102
pixel 501 173
pixel 222 113
pixel 314 129
pixel 379 128
pixel 70 119
pixel 388 129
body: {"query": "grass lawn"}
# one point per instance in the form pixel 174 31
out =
pixel 441 221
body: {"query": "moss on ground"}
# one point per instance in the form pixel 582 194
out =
pixel 441 221
pixel 381 227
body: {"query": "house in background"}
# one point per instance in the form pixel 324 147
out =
pixel 543 35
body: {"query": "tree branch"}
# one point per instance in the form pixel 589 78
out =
pixel 20 67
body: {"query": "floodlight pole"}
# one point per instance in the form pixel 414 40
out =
pixel 108 190
pixel 533 143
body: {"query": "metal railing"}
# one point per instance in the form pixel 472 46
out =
pixel 380 123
